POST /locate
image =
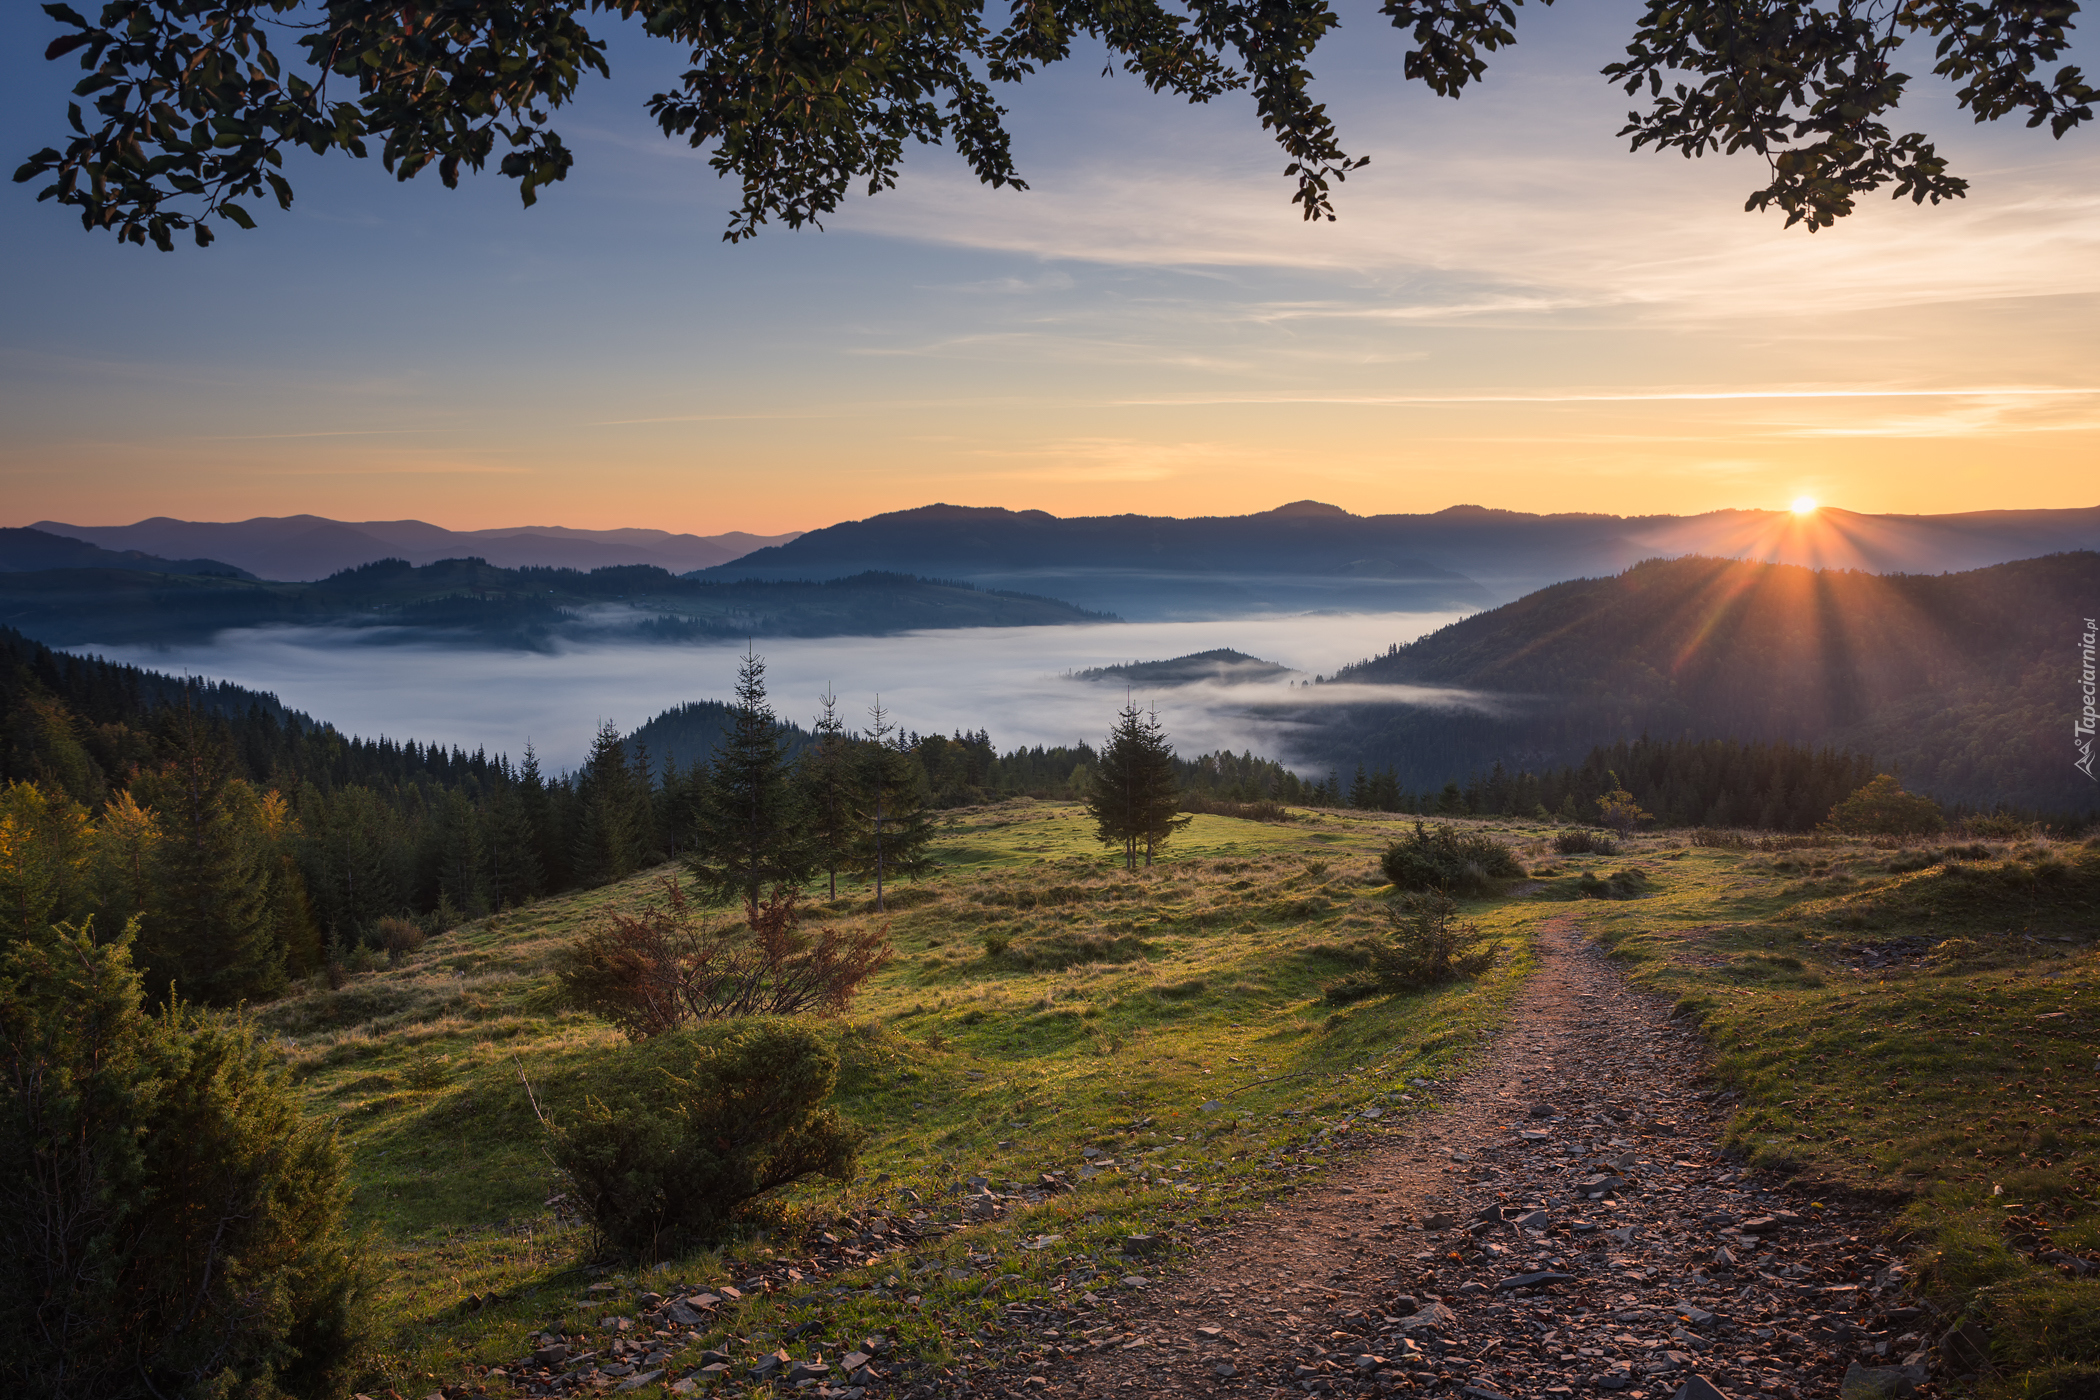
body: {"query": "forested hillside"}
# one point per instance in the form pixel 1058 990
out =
pixel 1963 683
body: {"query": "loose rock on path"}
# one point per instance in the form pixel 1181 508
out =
pixel 1565 1225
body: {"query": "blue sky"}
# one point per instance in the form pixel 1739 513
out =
pixel 1513 311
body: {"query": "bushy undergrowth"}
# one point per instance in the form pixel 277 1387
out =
pixel 1427 947
pixel 650 972
pixel 2034 888
pixel 172 1220
pixel 1066 948
pixel 1883 808
pixel 1583 842
pixel 679 1133
pixel 1449 860
pixel 1620 884
pixel 1260 810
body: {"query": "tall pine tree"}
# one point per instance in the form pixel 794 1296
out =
pixel 462 851
pixel 827 777
pixel 612 816
pixel 1159 806
pixel 750 832
pixel 895 825
pixel 1132 795
pixel 207 932
pixel 510 847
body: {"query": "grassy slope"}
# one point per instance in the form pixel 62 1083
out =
pixel 1926 1036
pixel 1864 1058
pixel 1191 981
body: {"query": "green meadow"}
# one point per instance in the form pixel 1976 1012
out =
pixel 1895 1022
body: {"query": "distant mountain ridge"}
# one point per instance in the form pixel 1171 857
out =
pixel 29 550
pixel 303 548
pixel 1310 556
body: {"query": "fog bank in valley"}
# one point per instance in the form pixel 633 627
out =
pixel 1004 680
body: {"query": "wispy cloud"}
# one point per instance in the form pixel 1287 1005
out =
pixel 1630 396
pixel 1469 238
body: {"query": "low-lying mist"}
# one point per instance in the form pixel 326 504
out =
pixel 1005 680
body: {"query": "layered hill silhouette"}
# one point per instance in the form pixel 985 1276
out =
pixel 472 602
pixel 304 548
pixel 1308 556
pixel 1966 683
pixel 28 550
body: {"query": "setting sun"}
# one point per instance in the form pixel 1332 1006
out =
pixel 1804 505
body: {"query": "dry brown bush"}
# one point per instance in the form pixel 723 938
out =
pixel 399 938
pixel 650 972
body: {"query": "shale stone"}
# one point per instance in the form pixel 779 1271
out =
pixel 1879 1382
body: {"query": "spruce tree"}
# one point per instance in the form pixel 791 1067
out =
pixel 510 848
pixel 544 815
pixel 648 846
pixel 1159 807
pixel 895 825
pixel 612 810
pixel 750 830
pixel 269 817
pixel 827 777
pixel 1115 788
pixel 461 853
pixel 207 930
pixel 354 851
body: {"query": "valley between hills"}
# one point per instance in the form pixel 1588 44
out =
pixel 1806 1114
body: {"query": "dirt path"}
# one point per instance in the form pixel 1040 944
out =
pixel 1580 1154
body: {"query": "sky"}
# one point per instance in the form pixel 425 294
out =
pixel 1511 311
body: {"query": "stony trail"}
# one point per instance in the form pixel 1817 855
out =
pixel 1564 1224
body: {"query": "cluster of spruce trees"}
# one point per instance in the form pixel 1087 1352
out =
pixel 763 824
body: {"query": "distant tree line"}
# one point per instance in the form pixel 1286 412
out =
pixel 1680 782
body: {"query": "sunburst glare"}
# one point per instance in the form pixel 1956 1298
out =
pixel 1804 505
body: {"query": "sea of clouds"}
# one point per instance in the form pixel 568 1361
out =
pixel 1008 681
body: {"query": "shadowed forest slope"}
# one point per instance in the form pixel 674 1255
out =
pixel 1966 683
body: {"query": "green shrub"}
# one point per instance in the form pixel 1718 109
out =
pixel 679 1132
pixel 1883 808
pixel 1427 947
pixel 1261 810
pixel 1450 860
pixel 1581 842
pixel 1622 884
pixel 1355 987
pixel 172 1221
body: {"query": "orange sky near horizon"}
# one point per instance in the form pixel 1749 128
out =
pixel 772 475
